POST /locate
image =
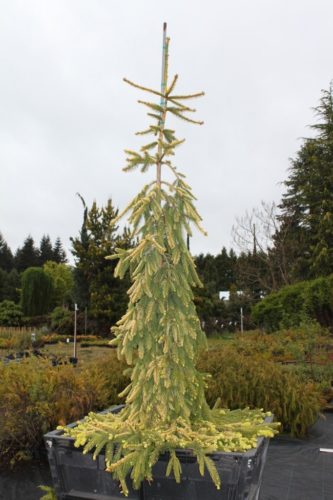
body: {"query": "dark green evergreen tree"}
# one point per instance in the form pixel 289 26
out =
pixel 6 256
pixel 3 284
pixel 80 246
pixel 217 273
pixel 27 256
pixel 46 251
pixel 59 254
pixel 307 205
pixel 225 264
pixel 107 297
pixel 12 286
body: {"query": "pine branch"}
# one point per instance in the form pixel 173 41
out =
pixel 181 107
pixel 182 117
pixel 151 130
pixel 169 135
pixel 172 86
pixel 157 117
pixel 151 145
pixel 145 89
pixel 151 105
pixel 189 96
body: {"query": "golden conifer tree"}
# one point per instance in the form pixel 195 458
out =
pixel 160 334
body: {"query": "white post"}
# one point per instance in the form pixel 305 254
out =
pixel 75 328
pixel 241 319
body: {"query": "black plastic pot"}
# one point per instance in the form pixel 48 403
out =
pixel 240 473
pixel 78 476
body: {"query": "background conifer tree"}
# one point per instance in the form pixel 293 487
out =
pixel 27 255
pixel 96 286
pixel 59 254
pixel 45 250
pixel 10 284
pixel 80 246
pixel 6 256
pixel 307 205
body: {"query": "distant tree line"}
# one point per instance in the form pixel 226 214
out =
pixel 12 265
pixel 293 242
pixel 274 246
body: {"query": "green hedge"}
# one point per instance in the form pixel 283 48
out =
pixel 293 304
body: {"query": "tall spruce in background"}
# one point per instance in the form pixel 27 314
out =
pixel 59 254
pixel 307 206
pixel 80 246
pixel 96 286
pixel 45 250
pixel 27 255
pixel 160 334
pixel 6 256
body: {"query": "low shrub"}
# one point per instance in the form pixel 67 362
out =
pixel 322 375
pixel 20 339
pixel 292 304
pixel 36 397
pixel 252 381
pixel 308 342
pixel 10 313
pixel 62 320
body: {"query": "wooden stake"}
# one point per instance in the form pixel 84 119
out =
pixel 164 78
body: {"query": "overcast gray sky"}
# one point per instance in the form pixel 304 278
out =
pixel 66 115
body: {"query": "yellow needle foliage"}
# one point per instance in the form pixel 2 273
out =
pixel 160 334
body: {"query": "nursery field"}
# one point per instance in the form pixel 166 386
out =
pixel 289 372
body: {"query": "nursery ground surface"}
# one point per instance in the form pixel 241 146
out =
pixel 295 470
pixel 93 352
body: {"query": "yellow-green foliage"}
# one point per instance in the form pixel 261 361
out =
pixel 160 335
pixel 132 448
pixel 241 380
pixel 49 493
pixel 36 397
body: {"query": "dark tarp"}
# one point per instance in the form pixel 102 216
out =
pixel 295 470
pixel 22 484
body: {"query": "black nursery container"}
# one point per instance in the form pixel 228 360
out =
pixel 78 476
pixel 240 473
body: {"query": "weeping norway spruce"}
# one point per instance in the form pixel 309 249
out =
pixel 160 334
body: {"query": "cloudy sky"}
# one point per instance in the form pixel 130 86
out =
pixel 66 116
